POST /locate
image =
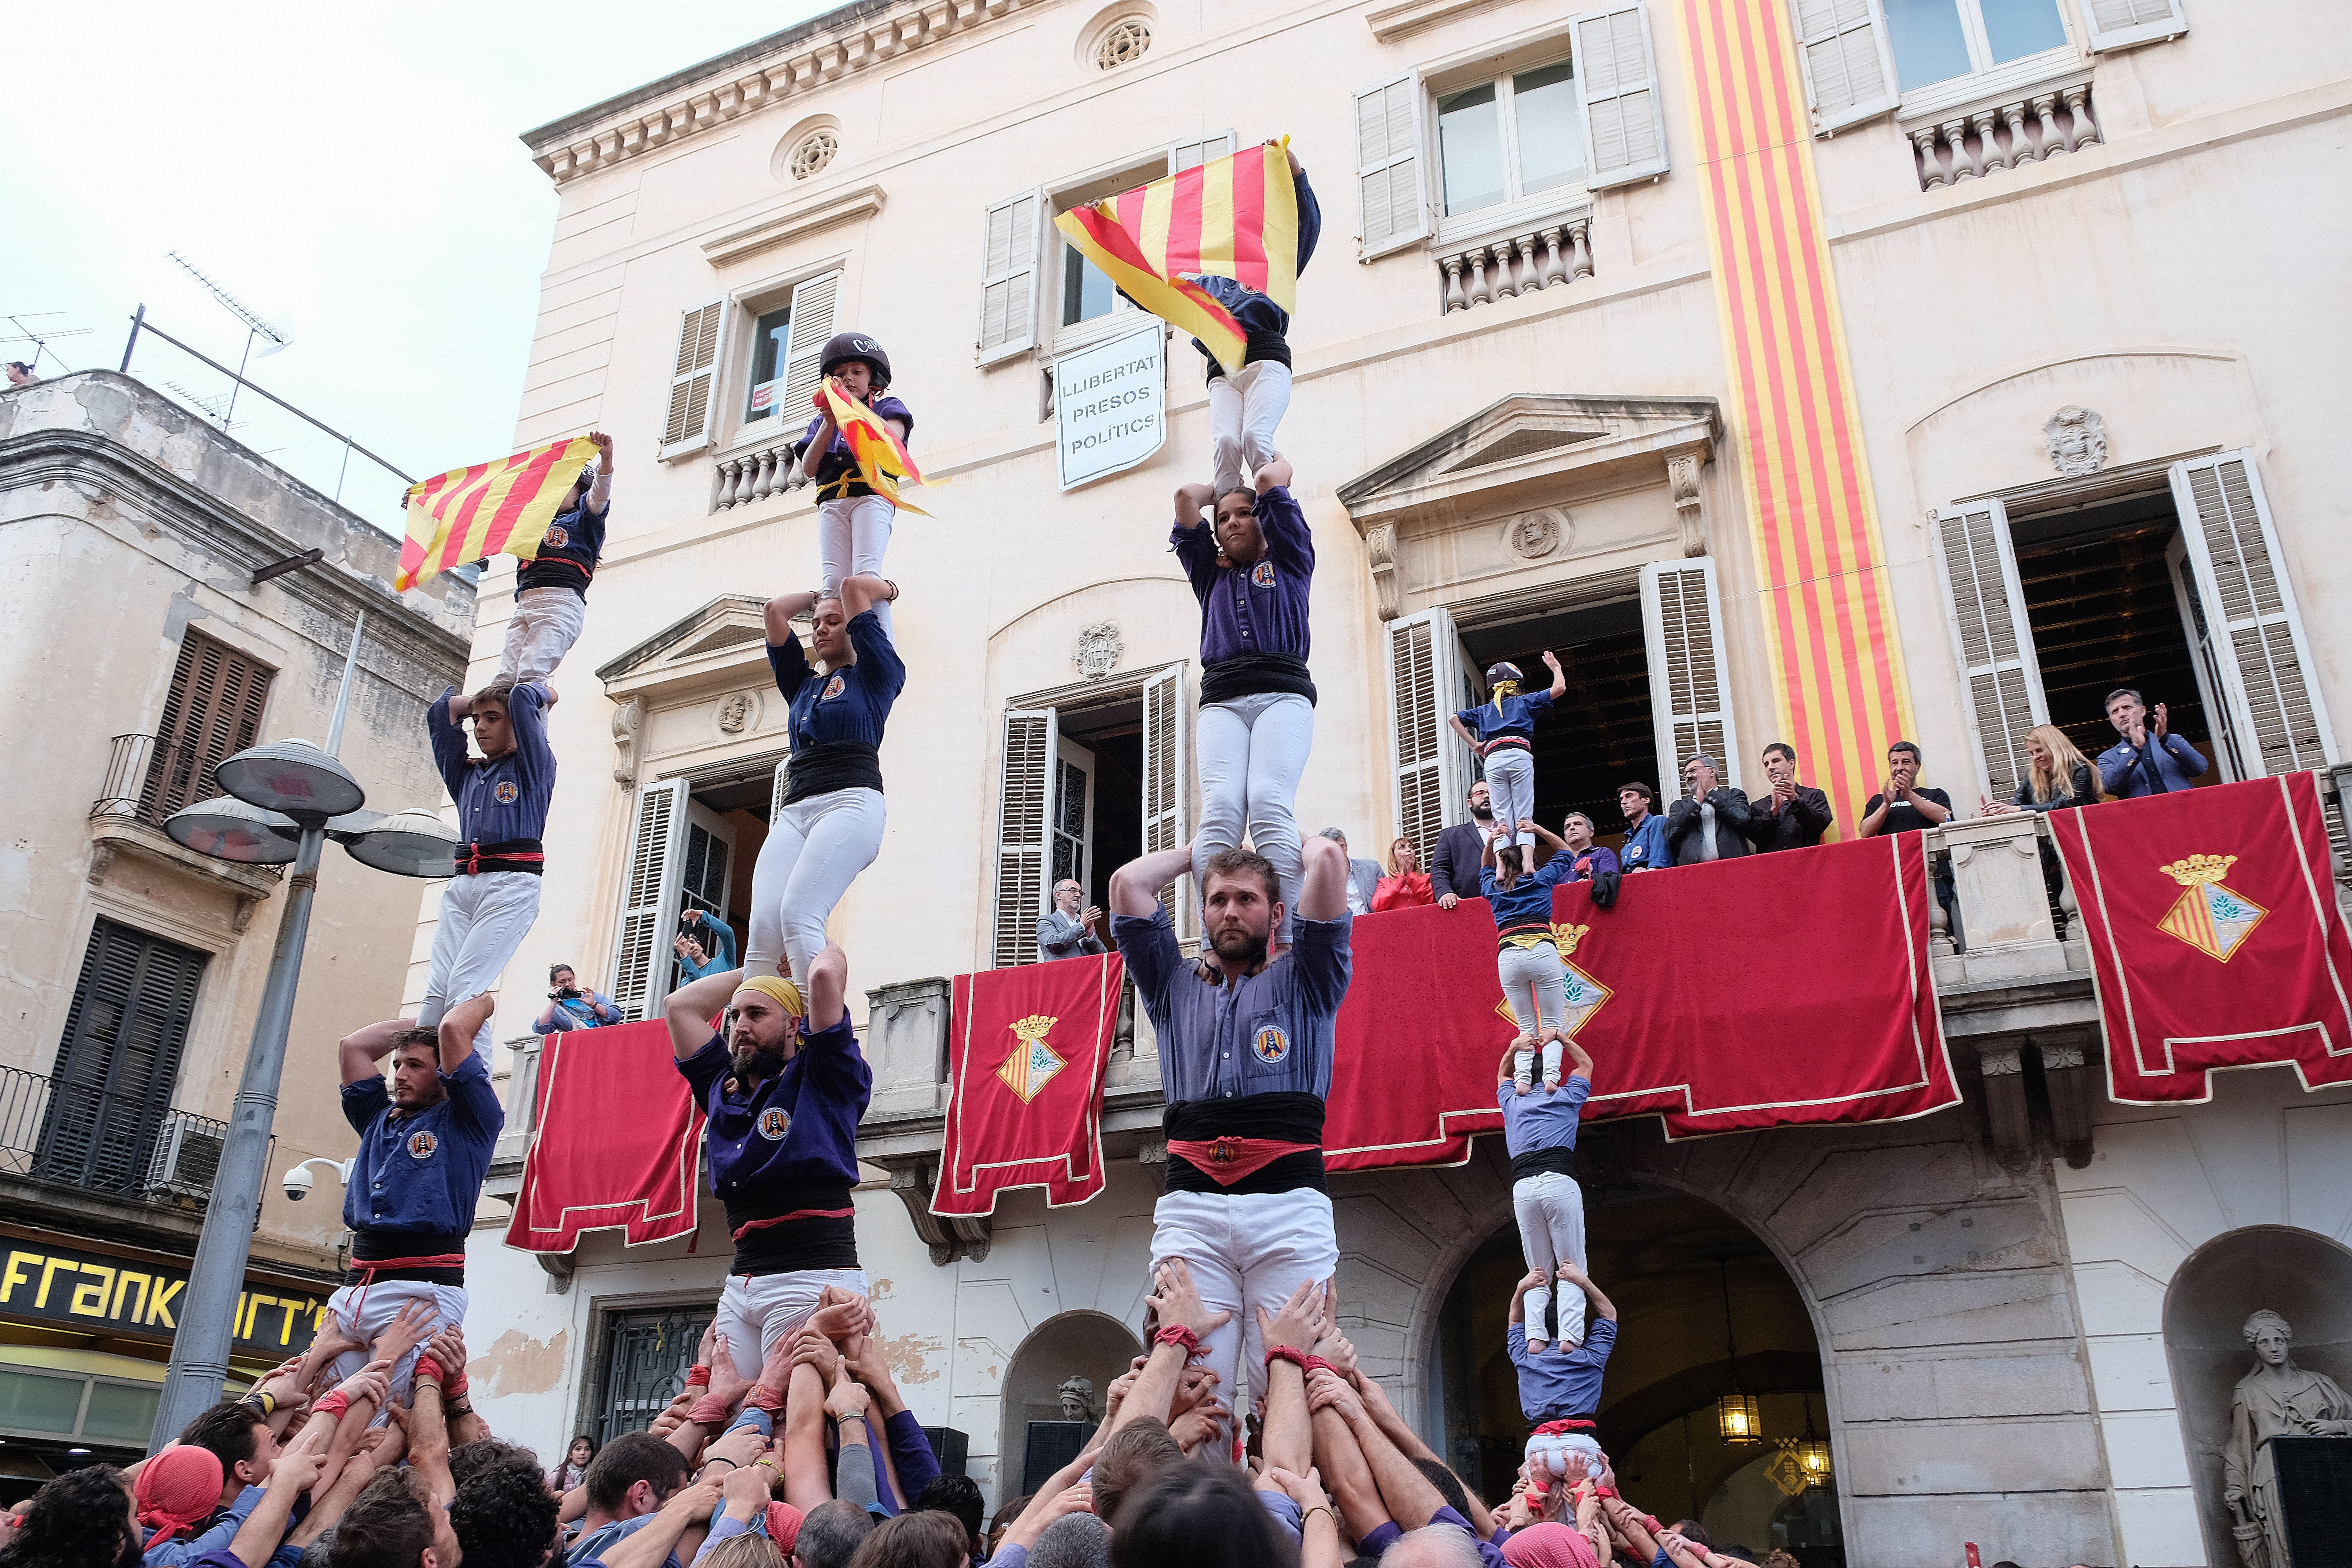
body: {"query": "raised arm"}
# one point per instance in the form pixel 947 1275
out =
pixel 1323 884
pixel 1135 886
pixel 828 987
pixel 1580 1058
pixel 1175 1304
pixel 1275 474
pixel 691 1007
pixel 1558 676
pixel 363 1048
pixel 459 1027
pixel 1550 840
pixel 1601 1305
pixel 1506 1070
pixel 863 592
pixel 1192 500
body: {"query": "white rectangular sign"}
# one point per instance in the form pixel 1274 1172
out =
pixel 1110 404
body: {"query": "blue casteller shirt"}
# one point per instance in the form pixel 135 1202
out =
pixel 1268 1033
pixel 837 717
pixel 2171 764
pixel 1251 615
pixel 1528 901
pixel 1261 320
pixel 568 555
pixel 1538 1120
pixel 1514 720
pixel 501 801
pixel 836 473
pixel 419 1174
pixel 783 1150
pixel 1644 849
pixel 1554 1386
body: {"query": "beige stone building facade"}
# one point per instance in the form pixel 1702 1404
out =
pixel 2083 256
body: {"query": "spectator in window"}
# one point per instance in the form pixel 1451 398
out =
pixel 1586 859
pixel 2057 776
pixel 21 374
pixel 1711 821
pixel 1794 816
pixel 1067 929
pixel 1454 864
pixel 1405 887
pixel 715 936
pixel 1644 849
pixel 1901 805
pixel 693 962
pixel 572 1006
pixel 1363 876
pixel 2149 759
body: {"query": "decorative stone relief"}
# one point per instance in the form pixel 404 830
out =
pixel 735 712
pixel 1533 535
pixel 1098 650
pixel 2276 1399
pixel 2078 441
pixel 1690 509
pixel 1078 1397
pixel 102 861
pixel 1379 549
pixel 626 717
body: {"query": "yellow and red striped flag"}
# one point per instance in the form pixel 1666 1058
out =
pixel 490 509
pixel 882 458
pixel 1236 217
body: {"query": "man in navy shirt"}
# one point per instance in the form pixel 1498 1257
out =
pixel 2149 759
pixel 502 798
pixel 425 1146
pixel 551 602
pixel 1644 849
pixel 1559 1389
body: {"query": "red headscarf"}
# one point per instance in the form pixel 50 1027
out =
pixel 784 1526
pixel 1552 1545
pixel 180 1485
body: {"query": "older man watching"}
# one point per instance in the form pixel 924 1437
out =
pixel 1067 931
pixel 1363 876
pixel 1711 821
pixel 1587 860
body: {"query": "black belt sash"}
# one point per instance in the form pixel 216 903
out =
pixel 371 1248
pixel 1256 674
pixel 1536 1162
pixel 1288 1116
pixel 816 1231
pixel 830 765
pixel 526 855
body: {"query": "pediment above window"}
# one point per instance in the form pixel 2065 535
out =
pixel 712 647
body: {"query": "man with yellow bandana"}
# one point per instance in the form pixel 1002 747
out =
pixel 785 1085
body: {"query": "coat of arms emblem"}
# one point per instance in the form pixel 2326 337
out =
pixel 2214 920
pixel 1033 1064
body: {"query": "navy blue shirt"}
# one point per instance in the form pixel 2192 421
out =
pixel 501 800
pixel 852 703
pixel 837 463
pixel 1528 901
pixel 790 1134
pixel 1259 608
pixel 1560 1387
pixel 419 1172
pixel 1645 846
pixel 1262 319
pixel 567 556
pixel 1267 1033
pixel 1517 716
pixel 2159 768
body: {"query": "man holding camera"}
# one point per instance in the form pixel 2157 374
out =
pixel 570 1007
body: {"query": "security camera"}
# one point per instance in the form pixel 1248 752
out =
pixel 297 1182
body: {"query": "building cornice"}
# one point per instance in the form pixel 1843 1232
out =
pixel 766 233
pixel 784 64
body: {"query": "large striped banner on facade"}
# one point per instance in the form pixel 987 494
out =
pixel 1821 569
pixel 488 509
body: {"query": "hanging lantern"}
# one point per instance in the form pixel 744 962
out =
pixel 1812 1453
pixel 1739 1419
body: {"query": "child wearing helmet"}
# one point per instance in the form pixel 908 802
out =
pixel 1502 731
pixel 853 522
pixel 551 602
pixel 1247 403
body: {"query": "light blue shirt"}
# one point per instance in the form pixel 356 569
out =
pixel 1268 1033
pixel 1538 1120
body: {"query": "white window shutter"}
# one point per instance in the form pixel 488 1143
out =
pixel 1991 641
pixel 1433 768
pixel 776 793
pixel 2274 704
pixel 1617 94
pixel 1183 156
pixel 1024 834
pixel 687 426
pixel 649 897
pixel 1167 773
pixel 1011 239
pixel 1848 69
pixel 2120 24
pixel 1388 165
pixel 809 327
pixel 1690 690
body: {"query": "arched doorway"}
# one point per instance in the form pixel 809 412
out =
pixel 1092 1345
pixel 1667 1261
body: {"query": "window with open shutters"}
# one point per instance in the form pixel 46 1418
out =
pixel 1024 780
pixel 1991 640
pixel 813 301
pixel 1167 773
pixel 1690 690
pixel 1010 236
pixel 1432 769
pixel 212 711
pixel 650 890
pixel 688 425
pixel 1390 209
pixel 111 1091
pixel 1848 67
pixel 2120 24
pixel 1617 91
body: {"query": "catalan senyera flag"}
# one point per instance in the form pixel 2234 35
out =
pixel 1027 1048
pixel 1235 216
pixel 882 458
pixel 488 509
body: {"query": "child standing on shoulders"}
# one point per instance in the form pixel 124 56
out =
pixel 551 591
pixel 1502 731
pixel 1246 406
pixel 1539 1134
pixel 854 523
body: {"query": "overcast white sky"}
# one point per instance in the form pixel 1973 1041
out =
pixel 351 171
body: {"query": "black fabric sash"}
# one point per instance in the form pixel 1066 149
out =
pixel 1256 674
pixel 830 765
pixel 1535 1162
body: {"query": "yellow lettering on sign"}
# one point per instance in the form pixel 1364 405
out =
pixel 293 1310
pixel 51 1267
pixel 122 1288
pixel 90 1296
pixel 16 1275
pixel 159 1305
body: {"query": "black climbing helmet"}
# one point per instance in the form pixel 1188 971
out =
pixel 846 347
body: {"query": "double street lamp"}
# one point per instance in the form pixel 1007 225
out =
pixel 285 800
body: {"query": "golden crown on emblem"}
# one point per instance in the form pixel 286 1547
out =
pixel 1565 938
pixel 2196 869
pixel 1032 1028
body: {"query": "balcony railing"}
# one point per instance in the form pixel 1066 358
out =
pixel 149 778
pixel 753 473
pixel 1973 143
pixel 96 1140
pixel 1545 255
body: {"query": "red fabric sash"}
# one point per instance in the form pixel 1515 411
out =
pixel 471 861
pixel 1554 1428
pixel 378 1264
pixel 1027 1049
pixel 618 1136
pixel 742 1231
pixel 1229 1160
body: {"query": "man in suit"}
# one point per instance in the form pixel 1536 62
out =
pixel 1363 876
pixel 1711 821
pixel 1794 816
pixel 1454 868
pixel 1067 931
pixel 2149 759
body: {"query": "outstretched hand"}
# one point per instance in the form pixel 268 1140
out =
pixel 1177 1303
pixel 407 1330
pixel 1300 1322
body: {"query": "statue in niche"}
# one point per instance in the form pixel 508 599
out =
pixel 1078 1397
pixel 2276 1399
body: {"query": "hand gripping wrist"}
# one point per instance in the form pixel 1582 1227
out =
pixel 430 1370
pixel 1178 1336
pixel 698 1377
pixel 710 1410
pixel 334 1405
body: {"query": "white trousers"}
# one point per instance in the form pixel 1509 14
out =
pixel 1550 1210
pixel 1553 1449
pixel 853 534
pixel 1245 1250
pixel 1511 780
pixel 545 624
pixel 815 848
pixel 1252 751
pixel 1534 986
pixel 757 1311
pixel 483 920
pixel 367 1310
pixel 1523 1064
pixel 1245 408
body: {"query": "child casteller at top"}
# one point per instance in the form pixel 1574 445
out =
pixel 853 522
pixel 1245 405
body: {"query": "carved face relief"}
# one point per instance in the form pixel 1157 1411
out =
pixel 1533 535
pixel 734 712
pixel 2078 441
pixel 1098 650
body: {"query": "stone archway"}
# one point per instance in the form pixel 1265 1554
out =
pixel 1092 1345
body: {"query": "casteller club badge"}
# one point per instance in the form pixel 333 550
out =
pixel 2214 920
pixel 1034 1064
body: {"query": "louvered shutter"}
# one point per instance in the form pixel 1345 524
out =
pixel 1848 67
pixel 1433 768
pixel 119 1059
pixel 1167 773
pixel 1617 94
pixel 1991 641
pixel 1186 155
pixel 1010 241
pixel 776 793
pixel 1690 692
pixel 2120 24
pixel 2274 704
pixel 649 898
pixel 688 425
pixel 212 711
pixel 809 327
pixel 1025 779
pixel 1390 207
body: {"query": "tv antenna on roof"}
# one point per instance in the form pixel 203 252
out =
pixel 211 407
pixel 255 327
pixel 39 339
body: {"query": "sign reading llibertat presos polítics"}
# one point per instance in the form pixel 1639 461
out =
pixel 1110 404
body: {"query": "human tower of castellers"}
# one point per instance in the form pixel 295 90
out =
pixel 1247 1434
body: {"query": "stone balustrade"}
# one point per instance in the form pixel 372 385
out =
pixel 1551 254
pixel 748 474
pixel 1969 145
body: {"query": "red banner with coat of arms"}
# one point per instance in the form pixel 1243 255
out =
pixel 2215 939
pixel 1027 1049
pixel 618 1137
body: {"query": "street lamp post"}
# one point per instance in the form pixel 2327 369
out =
pixel 287 787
